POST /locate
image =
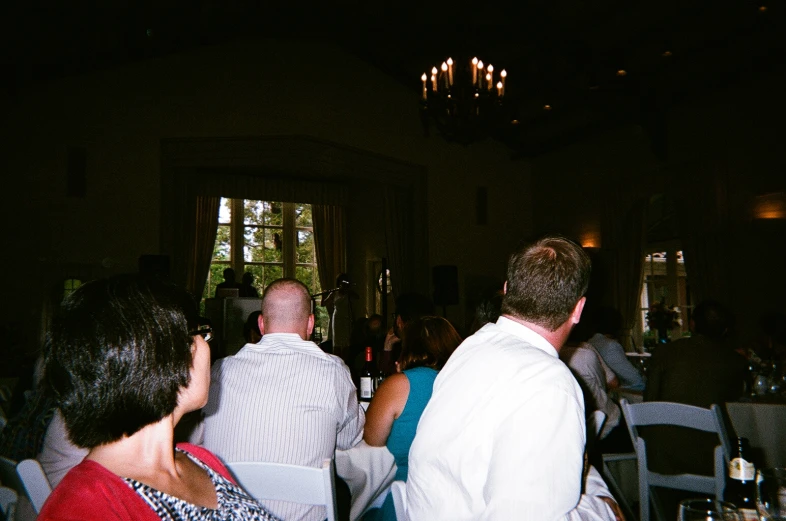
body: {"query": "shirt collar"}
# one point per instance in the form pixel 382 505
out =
pixel 528 335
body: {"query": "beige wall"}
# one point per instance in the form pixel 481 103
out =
pixel 272 88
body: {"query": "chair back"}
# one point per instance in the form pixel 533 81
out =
pixel 34 480
pixel 399 491
pixel 8 499
pixel 293 483
pixel 680 415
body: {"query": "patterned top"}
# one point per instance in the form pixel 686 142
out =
pixel 234 504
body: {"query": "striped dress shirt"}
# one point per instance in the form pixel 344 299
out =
pixel 282 400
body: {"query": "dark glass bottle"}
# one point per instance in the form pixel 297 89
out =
pixel 740 485
pixel 367 377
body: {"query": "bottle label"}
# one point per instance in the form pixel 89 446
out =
pixel 365 388
pixel 741 470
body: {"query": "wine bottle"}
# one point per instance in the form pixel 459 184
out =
pixel 741 487
pixel 367 378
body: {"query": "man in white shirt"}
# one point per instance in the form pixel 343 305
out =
pixel 283 399
pixel 503 435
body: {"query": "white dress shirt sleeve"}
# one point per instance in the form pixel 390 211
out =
pixel 591 507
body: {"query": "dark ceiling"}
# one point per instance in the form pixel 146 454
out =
pixel 561 53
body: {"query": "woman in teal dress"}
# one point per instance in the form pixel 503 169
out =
pixel 395 410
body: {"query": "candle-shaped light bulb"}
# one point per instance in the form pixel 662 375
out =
pixel 490 69
pixel 488 81
pixel 503 75
pixel 474 70
pixel 450 71
pixel 500 92
pixel 480 73
pixel 434 72
pixel 444 68
pixel 423 78
pixel 480 64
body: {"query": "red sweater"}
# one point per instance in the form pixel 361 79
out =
pixel 91 492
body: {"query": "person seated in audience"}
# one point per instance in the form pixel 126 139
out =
pixel 487 310
pixel 393 414
pixel 251 332
pixel 409 306
pixel 503 436
pixel 229 281
pixel 585 364
pixel 607 323
pixel 127 360
pixel 283 400
pixel 247 288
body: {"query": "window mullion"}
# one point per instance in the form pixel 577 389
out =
pixel 289 235
pixel 237 241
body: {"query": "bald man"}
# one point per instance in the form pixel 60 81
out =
pixel 283 399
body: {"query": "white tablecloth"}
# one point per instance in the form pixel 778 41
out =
pixel 368 471
pixel 764 425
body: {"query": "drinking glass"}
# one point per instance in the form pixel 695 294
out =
pixel 771 494
pixel 707 510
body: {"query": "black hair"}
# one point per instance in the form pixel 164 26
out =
pixel 119 354
pixel 712 319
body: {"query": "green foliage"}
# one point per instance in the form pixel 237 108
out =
pixel 263 248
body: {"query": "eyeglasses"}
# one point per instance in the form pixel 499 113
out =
pixel 205 331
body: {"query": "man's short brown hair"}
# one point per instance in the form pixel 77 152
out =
pixel 545 281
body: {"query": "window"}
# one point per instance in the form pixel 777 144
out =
pixel 665 282
pixel 268 239
pixel 69 286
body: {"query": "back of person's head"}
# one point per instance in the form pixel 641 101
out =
pixel 286 305
pixel 607 321
pixel 712 319
pixel 229 275
pixel 545 280
pixel 119 355
pixel 374 325
pixel 488 310
pixel 428 342
pixel 251 327
pixel 410 306
pixel 248 278
pixel 342 280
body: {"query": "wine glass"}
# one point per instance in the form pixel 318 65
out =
pixel 771 494
pixel 707 510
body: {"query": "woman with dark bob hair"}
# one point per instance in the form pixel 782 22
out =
pixel 395 410
pixel 127 359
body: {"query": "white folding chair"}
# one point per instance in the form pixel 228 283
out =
pixel 399 491
pixel 37 487
pixel 8 499
pixel 668 413
pixel 294 483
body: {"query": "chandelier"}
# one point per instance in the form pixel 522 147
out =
pixel 466 103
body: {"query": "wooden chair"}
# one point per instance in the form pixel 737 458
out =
pixel 294 483
pixel 668 413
